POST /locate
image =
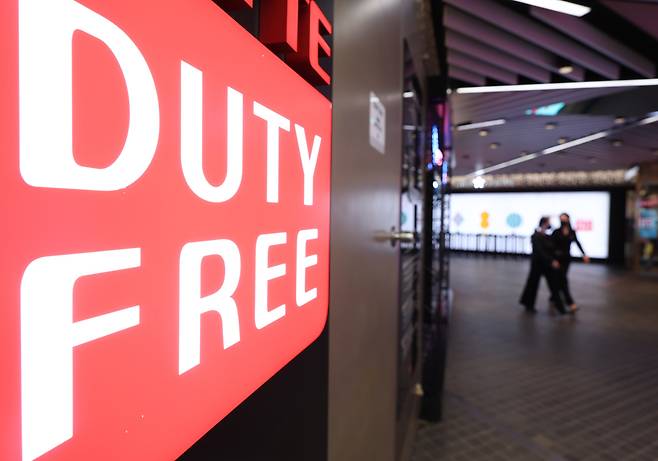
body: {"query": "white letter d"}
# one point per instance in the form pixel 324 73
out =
pixel 46 30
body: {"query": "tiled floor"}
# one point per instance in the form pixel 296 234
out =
pixel 522 387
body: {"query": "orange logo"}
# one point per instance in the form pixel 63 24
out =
pixel 484 223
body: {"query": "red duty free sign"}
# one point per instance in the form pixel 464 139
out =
pixel 166 241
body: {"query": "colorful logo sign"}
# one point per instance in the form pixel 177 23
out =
pixel 514 220
pixel 648 224
pixel 584 225
pixel 166 185
pixel 484 220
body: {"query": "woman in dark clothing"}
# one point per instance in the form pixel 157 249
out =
pixel 543 263
pixel 562 239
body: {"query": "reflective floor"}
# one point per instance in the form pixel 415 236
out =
pixel 522 387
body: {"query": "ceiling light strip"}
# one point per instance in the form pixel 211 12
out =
pixel 573 9
pixel 559 86
pixel 651 118
pixel 575 142
pixel 474 126
pixel 506 164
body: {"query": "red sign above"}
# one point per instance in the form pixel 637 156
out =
pixel 296 30
pixel 166 247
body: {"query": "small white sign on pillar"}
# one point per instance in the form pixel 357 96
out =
pixel 377 124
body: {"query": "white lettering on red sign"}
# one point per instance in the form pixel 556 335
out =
pixel 253 294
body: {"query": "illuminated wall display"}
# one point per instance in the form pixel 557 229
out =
pixel 166 239
pixel 518 213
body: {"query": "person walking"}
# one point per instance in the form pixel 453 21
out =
pixel 543 263
pixel 562 239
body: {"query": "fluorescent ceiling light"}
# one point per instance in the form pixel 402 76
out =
pixel 559 86
pixel 474 126
pixel 408 94
pixel 575 142
pixel 565 70
pixel 652 118
pixel 560 6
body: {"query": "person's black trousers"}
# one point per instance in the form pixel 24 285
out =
pixel 562 281
pixel 529 296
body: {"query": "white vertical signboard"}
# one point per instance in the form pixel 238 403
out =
pixel 377 124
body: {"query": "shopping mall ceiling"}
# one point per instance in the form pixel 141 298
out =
pixel 504 42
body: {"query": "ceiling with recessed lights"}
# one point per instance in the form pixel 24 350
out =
pixel 505 42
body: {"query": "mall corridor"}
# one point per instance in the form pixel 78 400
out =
pixel 546 388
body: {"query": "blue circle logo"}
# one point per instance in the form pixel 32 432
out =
pixel 514 220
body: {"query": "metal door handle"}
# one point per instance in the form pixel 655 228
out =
pixel 394 237
pixel 408 237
